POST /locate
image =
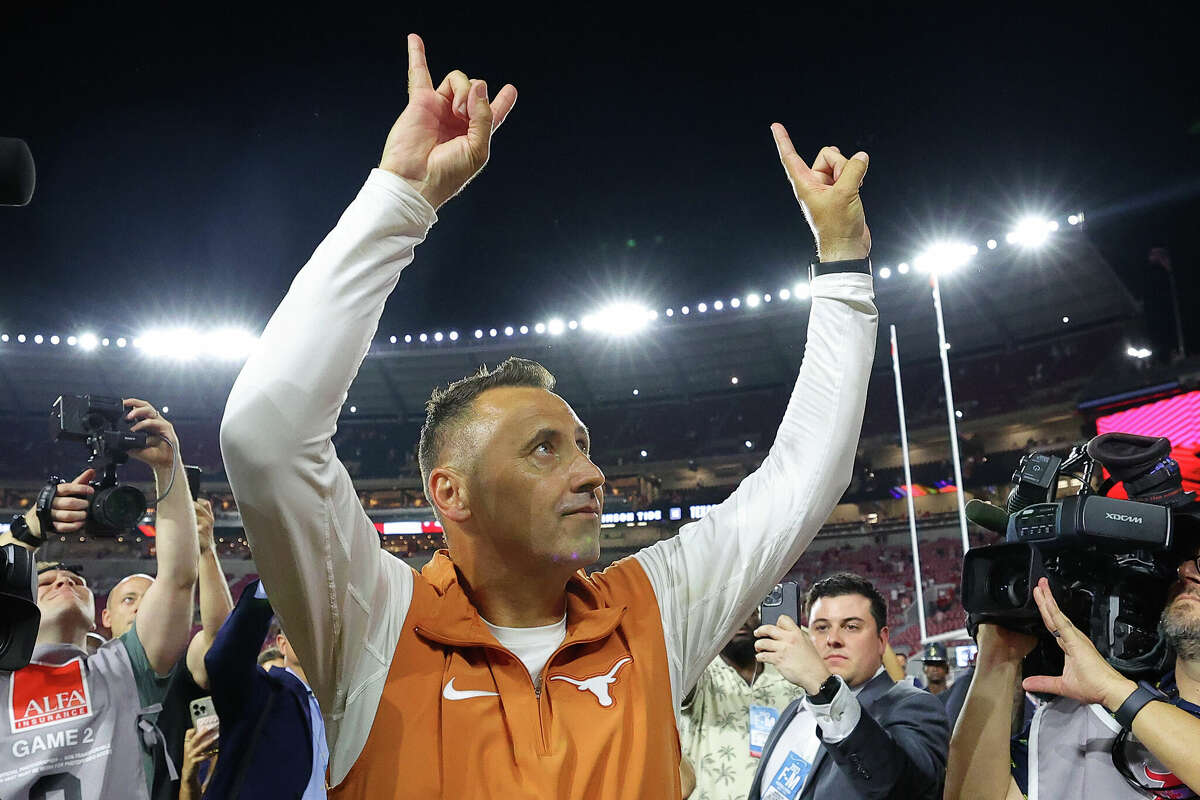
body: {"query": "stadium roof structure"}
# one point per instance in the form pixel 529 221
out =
pixel 999 299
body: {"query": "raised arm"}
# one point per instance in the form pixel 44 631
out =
pixel 341 598
pixel 165 614
pixel 215 600
pixel 232 661
pixel 709 577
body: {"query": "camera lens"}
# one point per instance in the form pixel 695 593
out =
pixel 1010 589
pixel 117 508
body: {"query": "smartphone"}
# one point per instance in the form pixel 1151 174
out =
pixel 193 479
pixel 204 715
pixel 783 599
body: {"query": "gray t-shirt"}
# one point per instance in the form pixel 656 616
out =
pixel 72 724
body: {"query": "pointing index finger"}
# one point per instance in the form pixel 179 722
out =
pixel 418 70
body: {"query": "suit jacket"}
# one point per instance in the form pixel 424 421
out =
pixel 897 750
pixel 266 731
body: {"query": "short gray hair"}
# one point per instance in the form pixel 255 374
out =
pixel 447 408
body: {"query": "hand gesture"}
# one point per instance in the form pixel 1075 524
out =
pixel 157 453
pixel 1086 677
pixel 791 651
pixel 443 137
pixel 204 524
pixel 828 193
pixel 68 509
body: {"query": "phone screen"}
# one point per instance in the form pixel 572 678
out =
pixel 193 479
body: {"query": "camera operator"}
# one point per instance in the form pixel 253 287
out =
pixel 1073 734
pixel 81 726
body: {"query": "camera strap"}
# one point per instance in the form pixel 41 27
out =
pixel 44 499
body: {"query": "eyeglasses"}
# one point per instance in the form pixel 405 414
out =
pixel 1194 561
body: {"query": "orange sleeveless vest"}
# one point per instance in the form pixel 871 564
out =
pixel 602 727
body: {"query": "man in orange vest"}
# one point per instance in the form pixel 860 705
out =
pixel 501 669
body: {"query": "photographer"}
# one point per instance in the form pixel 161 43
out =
pixel 1072 738
pixel 82 726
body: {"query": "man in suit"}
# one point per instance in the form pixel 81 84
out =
pixel 272 740
pixel 856 733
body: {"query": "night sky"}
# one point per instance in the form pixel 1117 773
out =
pixel 187 165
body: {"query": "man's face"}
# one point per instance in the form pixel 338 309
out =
pixel 847 638
pixel 64 599
pixel 533 490
pixel 936 672
pixel 1180 620
pixel 123 603
pixel 903 659
pixel 740 646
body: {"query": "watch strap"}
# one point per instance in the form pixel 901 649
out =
pixel 1137 700
pixel 826 693
pixel 19 529
pixel 818 268
pixel 44 499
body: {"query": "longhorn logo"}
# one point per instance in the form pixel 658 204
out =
pixel 1167 779
pixel 597 685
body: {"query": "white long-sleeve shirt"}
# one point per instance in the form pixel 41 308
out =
pixel 343 599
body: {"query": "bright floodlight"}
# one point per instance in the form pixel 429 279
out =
pixel 902 268
pixel 21 338
pixel 944 257
pixel 353 409
pixel 735 303
pixel 784 294
pixel 685 311
pixel 749 444
pixel 1138 352
pixel 424 337
pixel 801 291
pixel 182 344
pixel 478 333
pixel 71 340
pixel 992 244
pixel 644 454
pixel 232 344
pixel 753 300
pixel 540 327
pixel 408 338
pixel 454 336
pixel 1031 232
pixel 702 307
pixel 734 380
pixel 120 341
pixel 392 339
pixel 572 324
pixel 508 330
pixel 37 339
pixel 54 339
pixel 620 319
pixel 555 326
pixel 437 336
pixel 885 273
pixel 718 306
pixel 524 329
pixel 88 341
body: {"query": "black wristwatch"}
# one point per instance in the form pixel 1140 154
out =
pixel 826 693
pixel 21 531
pixel 1143 694
pixel 818 268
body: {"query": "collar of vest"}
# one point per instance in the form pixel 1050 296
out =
pixel 56 653
pixel 454 621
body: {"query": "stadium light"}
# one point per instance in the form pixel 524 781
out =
pixel 766 298
pixel 182 344
pixel 784 294
pixel 1138 352
pixel 670 312
pixel 992 244
pixel 71 340
pixel 424 337
pixel 437 336
pixel 885 273
pixel 524 329
pixel 734 380
pixel 636 392
pixel 540 327
pixel 749 444
pixel 37 339
pixel 944 257
pixel 736 302
pixel 4 337
pixel 54 339
pixel 408 338
pixel 1031 232
pixel 644 454
pixel 902 268
pixel 478 333
pixel 21 338
pixel 753 300
pixel 508 330
pixel 492 333
pixel 685 311
pixel 702 307
pixel 454 336
pixel 572 324
pixel 392 339
pixel 620 319
pixel 231 344
pixel 353 409
pixel 718 305
pixel 120 342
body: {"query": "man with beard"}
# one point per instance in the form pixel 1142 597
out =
pixel 1102 732
pixel 727 717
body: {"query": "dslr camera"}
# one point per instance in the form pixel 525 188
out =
pixel 97 422
pixel 1109 562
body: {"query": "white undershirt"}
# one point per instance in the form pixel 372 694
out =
pixel 533 646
